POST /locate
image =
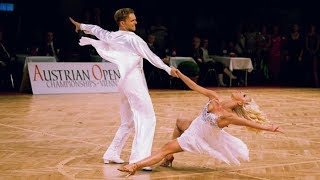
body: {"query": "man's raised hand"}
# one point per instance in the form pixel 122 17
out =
pixel 76 24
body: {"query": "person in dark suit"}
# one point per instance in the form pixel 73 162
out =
pixel 50 46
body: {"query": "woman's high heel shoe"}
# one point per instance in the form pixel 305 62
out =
pixel 167 162
pixel 130 170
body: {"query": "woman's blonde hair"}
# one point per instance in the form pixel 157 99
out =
pixel 252 112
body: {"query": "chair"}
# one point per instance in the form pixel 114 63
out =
pixel 188 68
pixel 155 74
pixel 6 82
pixel 152 74
pixel 211 73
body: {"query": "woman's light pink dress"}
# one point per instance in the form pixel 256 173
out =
pixel 205 137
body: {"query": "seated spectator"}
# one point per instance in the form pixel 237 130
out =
pixel 161 33
pixel 154 75
pixel 49 47
pixel 202 56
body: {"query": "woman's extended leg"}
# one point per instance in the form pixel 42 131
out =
pixel 169 148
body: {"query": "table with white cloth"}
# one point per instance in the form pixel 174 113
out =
pixel 236 63
pixel 175 61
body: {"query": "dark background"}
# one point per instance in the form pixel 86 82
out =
pixel 216 19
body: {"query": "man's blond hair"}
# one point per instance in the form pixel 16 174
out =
pixel 122 14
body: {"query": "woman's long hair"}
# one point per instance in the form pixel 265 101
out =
pixel 252 112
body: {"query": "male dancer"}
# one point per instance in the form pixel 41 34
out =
pixel 127 50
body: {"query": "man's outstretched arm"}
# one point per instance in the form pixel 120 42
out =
pixel 91 29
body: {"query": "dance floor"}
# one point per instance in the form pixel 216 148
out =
pixel 64 136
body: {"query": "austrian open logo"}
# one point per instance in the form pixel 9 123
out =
pixel 74 75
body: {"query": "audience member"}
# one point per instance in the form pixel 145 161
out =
pixel 275 54
pixel 49 46
pixel 294 57
pixel 210 63
pixel 161 33
pixel 312 54
pixel 155 75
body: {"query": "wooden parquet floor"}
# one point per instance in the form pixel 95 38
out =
pixel 64 136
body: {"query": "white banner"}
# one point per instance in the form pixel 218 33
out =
pixel 57 78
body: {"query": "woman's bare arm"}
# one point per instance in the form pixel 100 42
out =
pixel 232 119
pixel 194 86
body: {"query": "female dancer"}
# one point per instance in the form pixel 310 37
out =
pixel 205 134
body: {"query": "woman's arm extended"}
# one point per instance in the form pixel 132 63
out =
pixel 194 86
pixel 233 119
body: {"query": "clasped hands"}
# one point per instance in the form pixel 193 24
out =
pixel 174 72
